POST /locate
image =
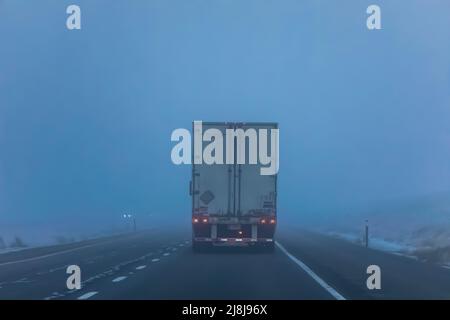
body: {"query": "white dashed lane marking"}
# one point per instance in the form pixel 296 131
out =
pixel 118 279
pixel 87 295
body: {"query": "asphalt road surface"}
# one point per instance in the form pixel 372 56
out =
pixel 160 264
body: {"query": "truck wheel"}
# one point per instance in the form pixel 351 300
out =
pixel 267 247
pixel 271 247
pixel 195 246
pixel 198 246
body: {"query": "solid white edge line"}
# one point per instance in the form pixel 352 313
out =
pixel 101 242
pixel 57 253
pixel 87 295
pixel 312 274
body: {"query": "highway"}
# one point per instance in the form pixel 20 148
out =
pixel 159 264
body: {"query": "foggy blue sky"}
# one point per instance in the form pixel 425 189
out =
pixel 86 116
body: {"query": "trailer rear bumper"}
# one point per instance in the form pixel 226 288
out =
pixel 238 242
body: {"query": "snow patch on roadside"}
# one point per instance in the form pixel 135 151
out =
pixel 377 243
pixel 418 227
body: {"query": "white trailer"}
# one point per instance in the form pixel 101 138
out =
pixel 233 203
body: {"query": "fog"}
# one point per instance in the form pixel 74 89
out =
pixel 86 115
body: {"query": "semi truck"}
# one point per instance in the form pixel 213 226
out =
pixel 233 203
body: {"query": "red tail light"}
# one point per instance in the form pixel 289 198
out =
pixel 200 219
pixel 267 221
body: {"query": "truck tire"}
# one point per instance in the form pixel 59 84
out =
pixel 271 246
pixel 198 246
pixel 267 247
